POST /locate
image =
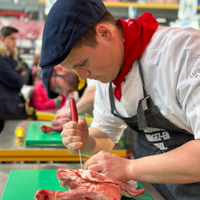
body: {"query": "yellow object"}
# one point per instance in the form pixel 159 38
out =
pixel 50 116
pixel 45 116
pixel 19 132
pixel 88 115
pixel 31 111
pixel 81 82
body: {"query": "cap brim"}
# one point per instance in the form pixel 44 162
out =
pixel 46 73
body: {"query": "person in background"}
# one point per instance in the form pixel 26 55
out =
pixel 85 103
pixel 65 78
pixel 35 68
pixel 25 71
pixel 11 80
pixel 148 79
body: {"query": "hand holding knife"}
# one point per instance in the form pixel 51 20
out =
pixel 74 116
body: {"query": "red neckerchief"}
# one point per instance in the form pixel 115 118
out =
pixel 137 34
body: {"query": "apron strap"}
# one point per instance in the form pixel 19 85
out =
pixel 142 124
pixel 111 96
pixel 140 111
pixel 142 78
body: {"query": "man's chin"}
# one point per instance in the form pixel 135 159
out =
pixel 104 81
pixel 101 80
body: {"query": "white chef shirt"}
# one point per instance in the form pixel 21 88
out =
pixel 90 82
pixel 171 69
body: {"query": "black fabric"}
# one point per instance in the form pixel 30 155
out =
pixel 1 125
pixel 11 82
pixel 80 92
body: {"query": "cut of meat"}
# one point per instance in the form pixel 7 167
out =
pixel 128 189
pixel 87 184
pixel 57 125
pixel 48 129
pixel 68 195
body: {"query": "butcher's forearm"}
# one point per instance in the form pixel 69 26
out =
pixel 85 104
pixel 97 141
pixel 177 166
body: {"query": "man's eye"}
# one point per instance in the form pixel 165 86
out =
pixel 82 64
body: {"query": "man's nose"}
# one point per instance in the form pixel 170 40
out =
pixel 83 73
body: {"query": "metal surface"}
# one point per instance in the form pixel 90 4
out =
pixel 7 137
pixel 12 149
pixel 5 170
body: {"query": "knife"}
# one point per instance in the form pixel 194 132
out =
pixel 74 116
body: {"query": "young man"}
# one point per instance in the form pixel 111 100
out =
pixel 11 80
pixel 148 79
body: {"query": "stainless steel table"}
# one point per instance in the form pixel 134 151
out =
pixel 5 170
pixel 12 149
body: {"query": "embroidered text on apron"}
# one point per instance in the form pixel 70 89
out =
pixel 163 134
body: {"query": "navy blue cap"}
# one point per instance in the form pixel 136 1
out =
pixel 66 23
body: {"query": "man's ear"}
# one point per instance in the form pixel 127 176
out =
pixel 104 31
pixel 60 69
pixel 1 38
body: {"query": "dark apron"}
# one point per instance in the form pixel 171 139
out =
pixel 159 131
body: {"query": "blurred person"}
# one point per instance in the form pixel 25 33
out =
pixel 35 67
pixel 85 103
pixel 64 82
pixel 25 71
pixel 11 80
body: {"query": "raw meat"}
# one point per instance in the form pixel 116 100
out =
pixel 87 184
pixel 48 129
pixel 57 125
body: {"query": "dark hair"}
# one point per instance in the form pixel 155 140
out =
pixel 7 30
pixel 89 38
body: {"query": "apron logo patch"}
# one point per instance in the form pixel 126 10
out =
pixel 156 137
pixel 160 146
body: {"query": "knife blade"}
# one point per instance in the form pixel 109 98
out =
pixel 74 116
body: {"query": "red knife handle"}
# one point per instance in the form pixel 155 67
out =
pixel 74 114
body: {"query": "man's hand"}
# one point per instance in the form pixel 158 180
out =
pixel 111 165
pixel 60 121
pixel 75 135
pixel 63 112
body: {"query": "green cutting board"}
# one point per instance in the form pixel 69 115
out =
pixel 35 136
pixel 22 185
